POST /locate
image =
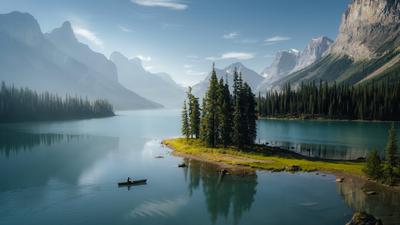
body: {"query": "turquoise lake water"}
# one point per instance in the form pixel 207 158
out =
pixel 67 173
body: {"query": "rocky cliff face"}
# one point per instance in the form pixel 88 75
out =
pixel 368 29
pixel 283 63
pixel 314 51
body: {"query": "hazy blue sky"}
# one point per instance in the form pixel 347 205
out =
pixel 183 37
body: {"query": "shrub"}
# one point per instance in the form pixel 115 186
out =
pixel 373 167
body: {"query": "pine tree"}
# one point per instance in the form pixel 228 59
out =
pixel 373 167
pixel 239 121
pixel 225 114
pixel 391 148
pixel 185 122
pixel 194 114
pixel 251 116
pixel 211 116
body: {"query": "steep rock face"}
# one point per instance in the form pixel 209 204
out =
pixel 283 63
pixel 156 87
pixel 64 39
pixel 367 47
pixel 368 29
pixel 314 51
pixel 248 75
pixel 22 27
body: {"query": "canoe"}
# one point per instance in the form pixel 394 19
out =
pixel 133 182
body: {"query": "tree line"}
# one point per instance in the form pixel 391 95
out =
pixel 386 170
pixel 23 104
pixel 372 101
pixel 224 119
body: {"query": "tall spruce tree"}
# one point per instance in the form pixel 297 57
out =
pixel 239 121
pixel 225 114
pixel 211 117
pixel 194 114
pixel 250 115
pixel 391 148
pixel 185 129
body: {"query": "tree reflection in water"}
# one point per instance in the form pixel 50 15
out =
pixel 385 204
pixel 13 142
pixel 232 195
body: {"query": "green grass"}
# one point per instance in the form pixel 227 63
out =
pixel 262 157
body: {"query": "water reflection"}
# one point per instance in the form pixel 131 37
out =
pixel 48 157
pixel 224 196
pixel 322 151
pixel 14 141
pixel 385 204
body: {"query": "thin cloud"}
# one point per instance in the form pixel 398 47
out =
pixel 232 55
pixel 88 35
pixel 124 29
pixel 170 4
pixel 144 58
pixel 171 26
pixel 195 73
pixel 277 39
pixel 187 66
pixel 231 35
pixel 268 56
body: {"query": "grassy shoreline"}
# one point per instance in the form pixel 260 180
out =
pixel 262 157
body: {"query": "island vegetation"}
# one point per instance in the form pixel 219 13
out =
pixel 386 171
pixel 23 104
pixel 372 101
pixel 223 131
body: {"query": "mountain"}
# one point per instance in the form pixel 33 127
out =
pixel 248 75
pixel 65 40
pixel 366 48
pixel 29 58
pixel 283 63
pixel 156 87
pixel 313 52
pixel 290 61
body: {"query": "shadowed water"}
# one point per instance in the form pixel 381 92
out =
pixel 344 140
pixel 67 173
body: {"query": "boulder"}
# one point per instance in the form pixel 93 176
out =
pixel 363 218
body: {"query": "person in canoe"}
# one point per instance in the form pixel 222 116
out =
pixel 128 180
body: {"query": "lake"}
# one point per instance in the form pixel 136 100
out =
pixel 67 173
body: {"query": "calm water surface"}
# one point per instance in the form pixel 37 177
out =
pixel 66 173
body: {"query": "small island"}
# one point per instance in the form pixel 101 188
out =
pixel 223 132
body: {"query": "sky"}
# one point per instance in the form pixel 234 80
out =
pixel 184 37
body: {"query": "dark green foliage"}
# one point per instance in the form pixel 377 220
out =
pixel 388 175
pixel 373 167
pixel 194 114
pixel 185 129
pixel 27 105
pixel 371 101
pixel 225 119
pixel 239 122
pixel 391 148
pixel 250 115
pixel 244 113
pixel 210 110
pixel 225 113
pixel 389 170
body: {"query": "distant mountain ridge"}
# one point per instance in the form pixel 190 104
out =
pixel 290 61
pixel 248 75
pixel 159 87
pixel 52 62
